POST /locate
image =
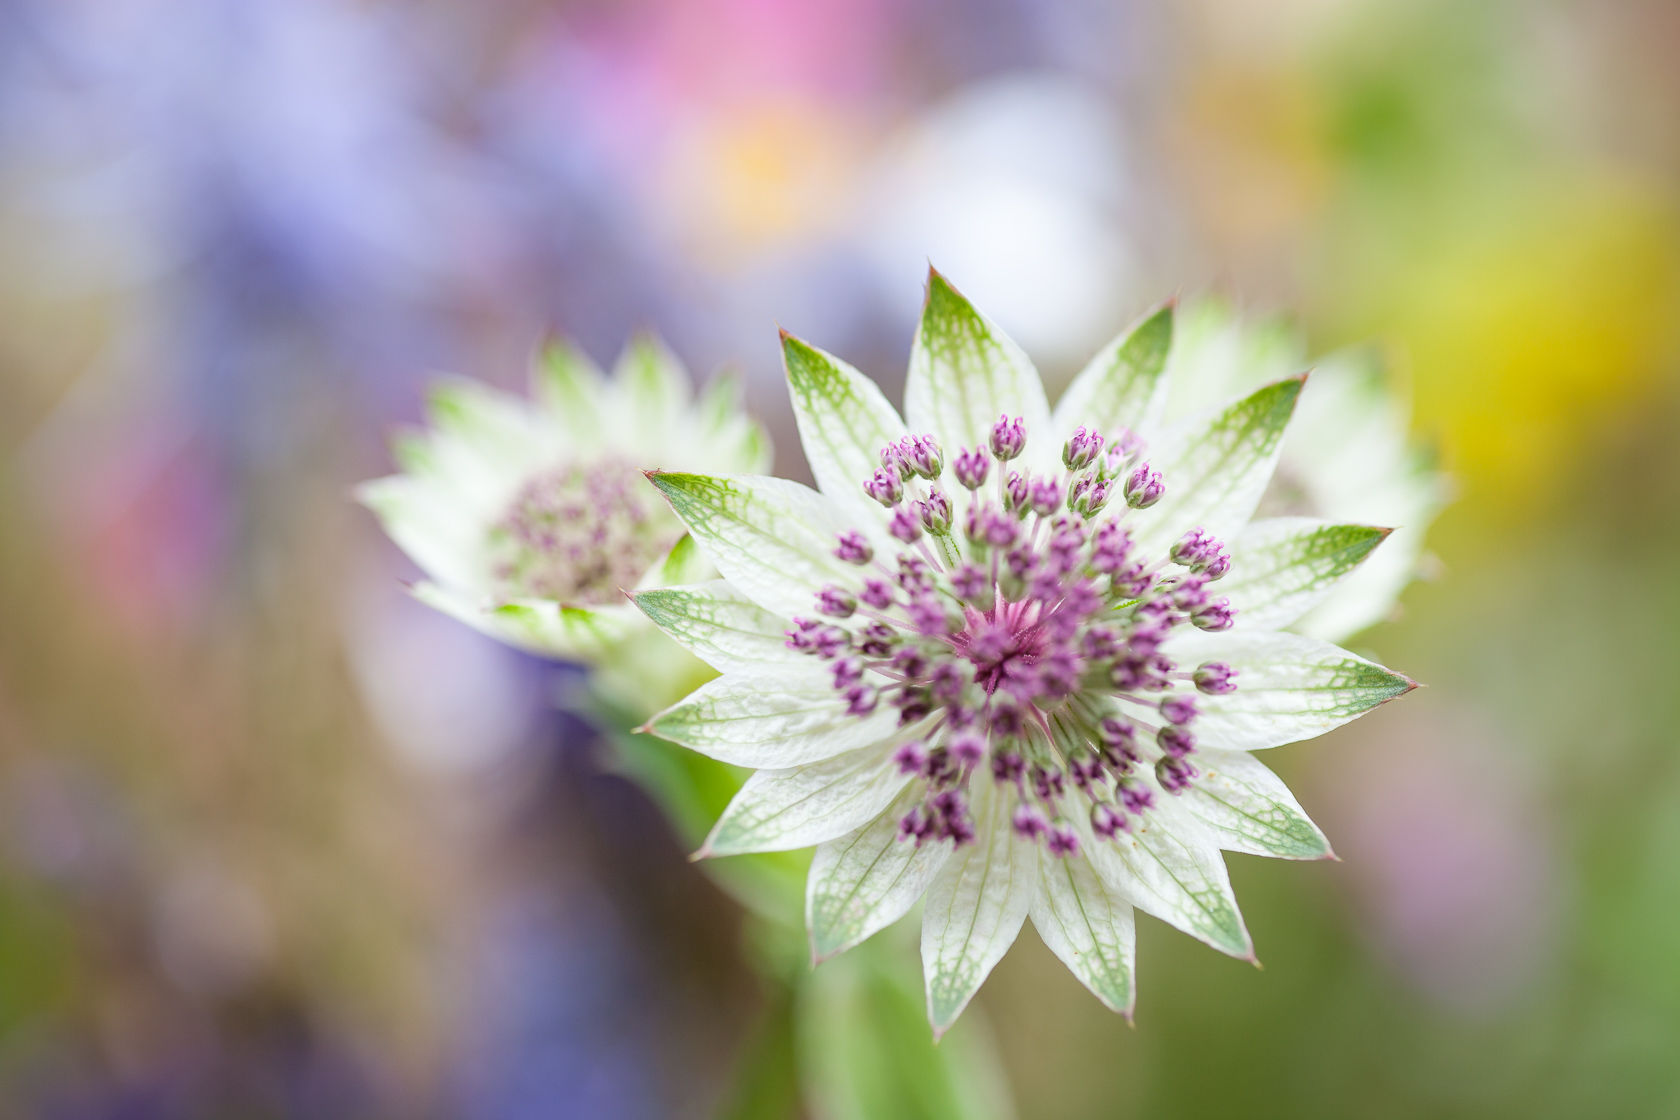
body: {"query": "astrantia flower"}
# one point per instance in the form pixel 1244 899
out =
pixel 1346 457
pixel 530 518
pixel 1010 660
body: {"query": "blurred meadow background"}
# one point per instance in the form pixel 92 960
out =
pixel 276 841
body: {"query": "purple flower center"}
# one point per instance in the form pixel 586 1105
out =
pixel 1025 648
pixel 579 533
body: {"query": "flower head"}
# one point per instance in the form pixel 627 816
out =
pixel 531 518
pixel 1044 701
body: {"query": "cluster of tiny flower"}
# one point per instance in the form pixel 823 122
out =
pixel 579 533
pixel 1031 647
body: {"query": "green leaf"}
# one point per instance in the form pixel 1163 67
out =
pixel 568 386
pixel 779 810
pixel 771 717
pixel 975 907
pixel 1249 809
pixel 719 625
pixel 844 421
pixel 866 880
pixel 1289 687
pixel 1089 925
pixel 765 1082
pixel 1284 566
pixel 1170 867
pixel 965 372
pixel 1122 386
pixel 1216 470
pixel 773 539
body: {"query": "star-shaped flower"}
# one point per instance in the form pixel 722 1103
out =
pixel 530 518
pixel 1013 660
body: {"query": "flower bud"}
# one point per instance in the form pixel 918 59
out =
pixel 1088 496
pixel 1009 438
pixel 1215 678
pixel 836 602
pixel 905 526
pixel 847 672
pixel 853 548
pixel 1045 496
pixel 1029 822
pixel 1175 774
pixel 1178 709
pixel 935 513
pixel 1135 796
pixel 912 757
pixel 1176 741
pixel 1061 842
pixel 1144 487
pixel 971 585
pixel 923 455
pixel 884 486
pixel 1201 552
pixel 1016 494
pixel 1107 819
pixel 861 700
pixel 1216 615
pixel 967 749
pixel 1082 449
pixel 893 461
pixel 971 468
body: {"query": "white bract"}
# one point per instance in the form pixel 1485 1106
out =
pixel 1346 457
pixel 531 518
pixel 983 664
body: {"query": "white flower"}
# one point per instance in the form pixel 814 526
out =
pixel 1346 456
pixel 984 664
pixel 530 519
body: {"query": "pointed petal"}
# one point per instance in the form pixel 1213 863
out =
pixel 844 421
pixel 1249 809
pixel 1284 566
pixel 434 533
pixel 965 372
pixel 867 880
pixel 1122 387
pixel 494 428
pixel 567 385
pixel 1089 925
pixel 975 908
pixel 1289 687
pixel 539 626
pixel 719 625
pixel 773 539
pixel 1216 469
pixel 1170 867
pixel 653 381
pixel 734 440
pixel 779 810
pixel 770 717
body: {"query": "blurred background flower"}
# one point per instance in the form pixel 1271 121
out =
pixel 278 842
